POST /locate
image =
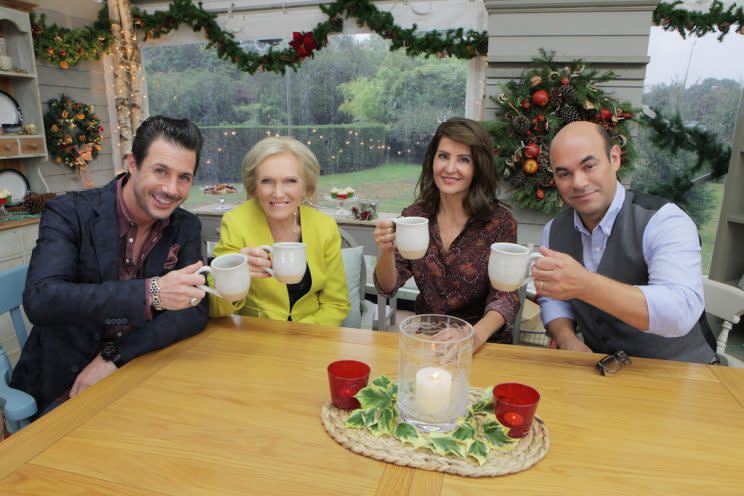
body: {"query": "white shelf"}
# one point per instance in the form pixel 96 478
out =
pixel 35 155
pixel 22 86
pixel 18 75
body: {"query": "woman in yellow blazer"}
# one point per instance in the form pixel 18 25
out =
pixel 278 174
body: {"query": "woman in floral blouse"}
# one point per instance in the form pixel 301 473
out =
pixel 457 192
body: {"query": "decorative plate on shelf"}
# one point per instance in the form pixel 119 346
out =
pixel 11 116
pixel 16 183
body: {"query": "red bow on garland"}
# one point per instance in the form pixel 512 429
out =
pixel 303 44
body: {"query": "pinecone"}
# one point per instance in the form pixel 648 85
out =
pixel 544 162
pixel 517 179
pixel 568 93
pixel 569 113
pixel 34 203
pixel 521 124
pixel 544 174
pixel 556 96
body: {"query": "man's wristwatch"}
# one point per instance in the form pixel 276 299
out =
pixel 154 290
pixel 110 353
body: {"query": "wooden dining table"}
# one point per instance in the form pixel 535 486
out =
pixel 235 410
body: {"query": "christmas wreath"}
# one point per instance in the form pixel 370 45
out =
pixel 74 132
pixel 534 108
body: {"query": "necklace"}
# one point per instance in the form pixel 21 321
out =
pixel 291 233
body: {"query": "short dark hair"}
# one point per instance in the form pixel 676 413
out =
pixel 484 189
pixel 181 132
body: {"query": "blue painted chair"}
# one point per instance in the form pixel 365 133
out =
pixel 17 405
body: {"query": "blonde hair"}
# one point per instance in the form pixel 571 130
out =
pixel 268 147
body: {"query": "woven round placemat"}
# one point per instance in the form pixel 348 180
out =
pixel 528 451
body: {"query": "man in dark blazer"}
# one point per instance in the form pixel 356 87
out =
pixel 113 273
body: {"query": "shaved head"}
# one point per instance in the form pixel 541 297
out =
pixel 584 163
pixel 586 127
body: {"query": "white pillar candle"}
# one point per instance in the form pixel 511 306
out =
pixel 433 390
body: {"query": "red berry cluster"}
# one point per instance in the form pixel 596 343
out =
pixel 363 214
pixel 609 119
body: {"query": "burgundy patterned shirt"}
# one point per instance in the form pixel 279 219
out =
pixel 129 268
pixel 457 283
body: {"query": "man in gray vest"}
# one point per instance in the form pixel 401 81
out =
pixel 620 267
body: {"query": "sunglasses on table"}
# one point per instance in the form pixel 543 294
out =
pixel 613 363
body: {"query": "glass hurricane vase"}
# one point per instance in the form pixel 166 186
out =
pixel 434 370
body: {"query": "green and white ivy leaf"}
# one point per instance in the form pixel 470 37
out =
pixel 393 389
pixel 469 418
pixel 464 433
pixel 369 417
pixel 355 420
pixel 478 450
pixel 386 421
pixel 406 433
pixel 495 435
pixel 485 404
pixel 488 394
pixel 382 382
pixel 445 445
pixel 374 397
pixel 375 430
pixel 488 417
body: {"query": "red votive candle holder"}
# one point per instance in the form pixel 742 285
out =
pixel 346 378
pixel 515 405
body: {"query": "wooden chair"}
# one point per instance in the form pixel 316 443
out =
pixel 727 303
pixel 17 405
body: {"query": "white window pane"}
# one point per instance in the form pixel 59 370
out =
pixel 367 113
pixel 706 93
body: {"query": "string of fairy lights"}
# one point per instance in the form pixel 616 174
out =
pixel 122 92
pixel 337 155
pixel 317 137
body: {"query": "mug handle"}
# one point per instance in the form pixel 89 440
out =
pixel 268 250
pixel 533 258
pixel 204 287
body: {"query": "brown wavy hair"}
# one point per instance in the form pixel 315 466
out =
pixel 482 199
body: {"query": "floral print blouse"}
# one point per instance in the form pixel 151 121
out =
pixel 457 283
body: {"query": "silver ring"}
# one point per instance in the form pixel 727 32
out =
pixel 194 301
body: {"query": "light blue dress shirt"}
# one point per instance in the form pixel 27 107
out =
pixel 671 249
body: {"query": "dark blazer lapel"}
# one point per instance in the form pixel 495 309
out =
pixel 155 261
pixel 104 231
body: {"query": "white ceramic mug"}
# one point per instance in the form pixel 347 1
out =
pixel 288 261
pixel 412 236
pixel 509 266
pixel 232 278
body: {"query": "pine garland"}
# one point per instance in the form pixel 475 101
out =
pixel 535 107
pixel 456 43
pixel 67 47
pixel 673 135
pixel 671 18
